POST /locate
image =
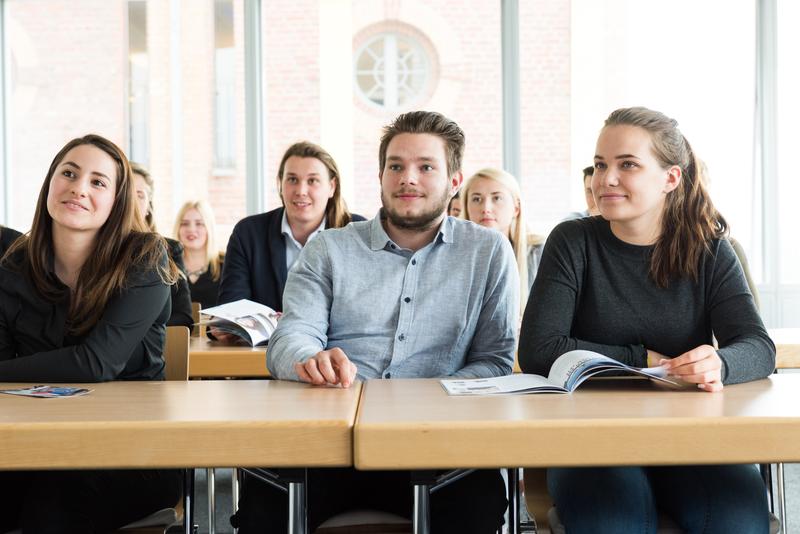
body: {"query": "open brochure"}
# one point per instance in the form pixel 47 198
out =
pixel 568 372
pixel 47 392
pixel 251 321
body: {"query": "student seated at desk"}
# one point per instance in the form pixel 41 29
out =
pixel 650 282
pixel 194 228
pixel 84 298
pixel 410 294
pixel 492 198
pixel 181 298
pixel 263 247
pixel 7 237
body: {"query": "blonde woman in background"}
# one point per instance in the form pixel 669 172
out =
pixel 492 198
pixel 194 228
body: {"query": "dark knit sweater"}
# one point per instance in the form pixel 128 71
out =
pixel 593 292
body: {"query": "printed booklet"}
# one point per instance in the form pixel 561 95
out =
pixel 251 321
pixel 568 372
pixel 47 392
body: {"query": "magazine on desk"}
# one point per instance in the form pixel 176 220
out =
pixel 251 321
pixel 568 372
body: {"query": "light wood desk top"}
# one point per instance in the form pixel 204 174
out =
pixel 787 345
pixel 210 359
pixel 181 424
pixel 413 424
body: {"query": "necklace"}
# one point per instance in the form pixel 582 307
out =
pixel 197 273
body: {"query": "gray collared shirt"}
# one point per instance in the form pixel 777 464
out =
pixel 448 309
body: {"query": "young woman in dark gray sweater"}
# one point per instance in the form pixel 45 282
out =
pixel 651 281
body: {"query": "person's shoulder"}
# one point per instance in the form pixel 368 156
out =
pixel 259 221
pixel 475 235
pixel 355 217
pixel 573 231
pixel 7 237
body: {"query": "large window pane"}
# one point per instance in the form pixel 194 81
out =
pixel 581 59
pixel 788 141
pixel 164 80
pixel 345 68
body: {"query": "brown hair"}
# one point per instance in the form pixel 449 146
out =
pixel 689 221
pixel 426 122
pixel 122 245
pixel 148 180
pixel 336 213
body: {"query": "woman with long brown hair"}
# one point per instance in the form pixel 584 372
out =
pixel 651 282
pixel 84 298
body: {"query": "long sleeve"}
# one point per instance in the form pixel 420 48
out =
pixel 550 314
pixel 745 348
pixel 494 341
pixel 302 330
pixel 235 282
pixel 105 353
pixel 181 296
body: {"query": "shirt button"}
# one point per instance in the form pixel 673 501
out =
pixel 413 262
pixel 407 299
pixel 401 337
pixel 388 375
pixel 394 246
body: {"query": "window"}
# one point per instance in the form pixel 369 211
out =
pixel 392 71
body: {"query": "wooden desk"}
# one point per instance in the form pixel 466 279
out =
pixel 787 345
pixel 210 359
pixel 181 424
pixel 413 424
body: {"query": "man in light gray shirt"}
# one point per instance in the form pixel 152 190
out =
pixel 410 294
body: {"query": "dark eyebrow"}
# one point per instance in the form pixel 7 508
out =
pixel 421 158
pixel 73 164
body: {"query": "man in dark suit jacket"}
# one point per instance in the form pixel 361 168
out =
pixel 255 261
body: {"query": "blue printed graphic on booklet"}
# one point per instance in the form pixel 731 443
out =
pixel 47 392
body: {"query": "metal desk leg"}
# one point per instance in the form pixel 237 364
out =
pixel 188 503
pixel 422 513
pixel 212 501
pixel 513 500
pixel 781 498
pixel 235 492
pixel 297 508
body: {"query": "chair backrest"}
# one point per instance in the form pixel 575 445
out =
pixel 176 353
pixel 196 307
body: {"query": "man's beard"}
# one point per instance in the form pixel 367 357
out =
pixel 422 221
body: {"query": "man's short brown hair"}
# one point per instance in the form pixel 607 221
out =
pixel 426 122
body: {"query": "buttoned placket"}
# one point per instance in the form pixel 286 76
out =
pixel 403 332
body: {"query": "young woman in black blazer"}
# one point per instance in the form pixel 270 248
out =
pixel 85 298
pixel 195 229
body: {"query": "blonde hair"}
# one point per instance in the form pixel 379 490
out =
pixel 213 255
pixel 518 231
